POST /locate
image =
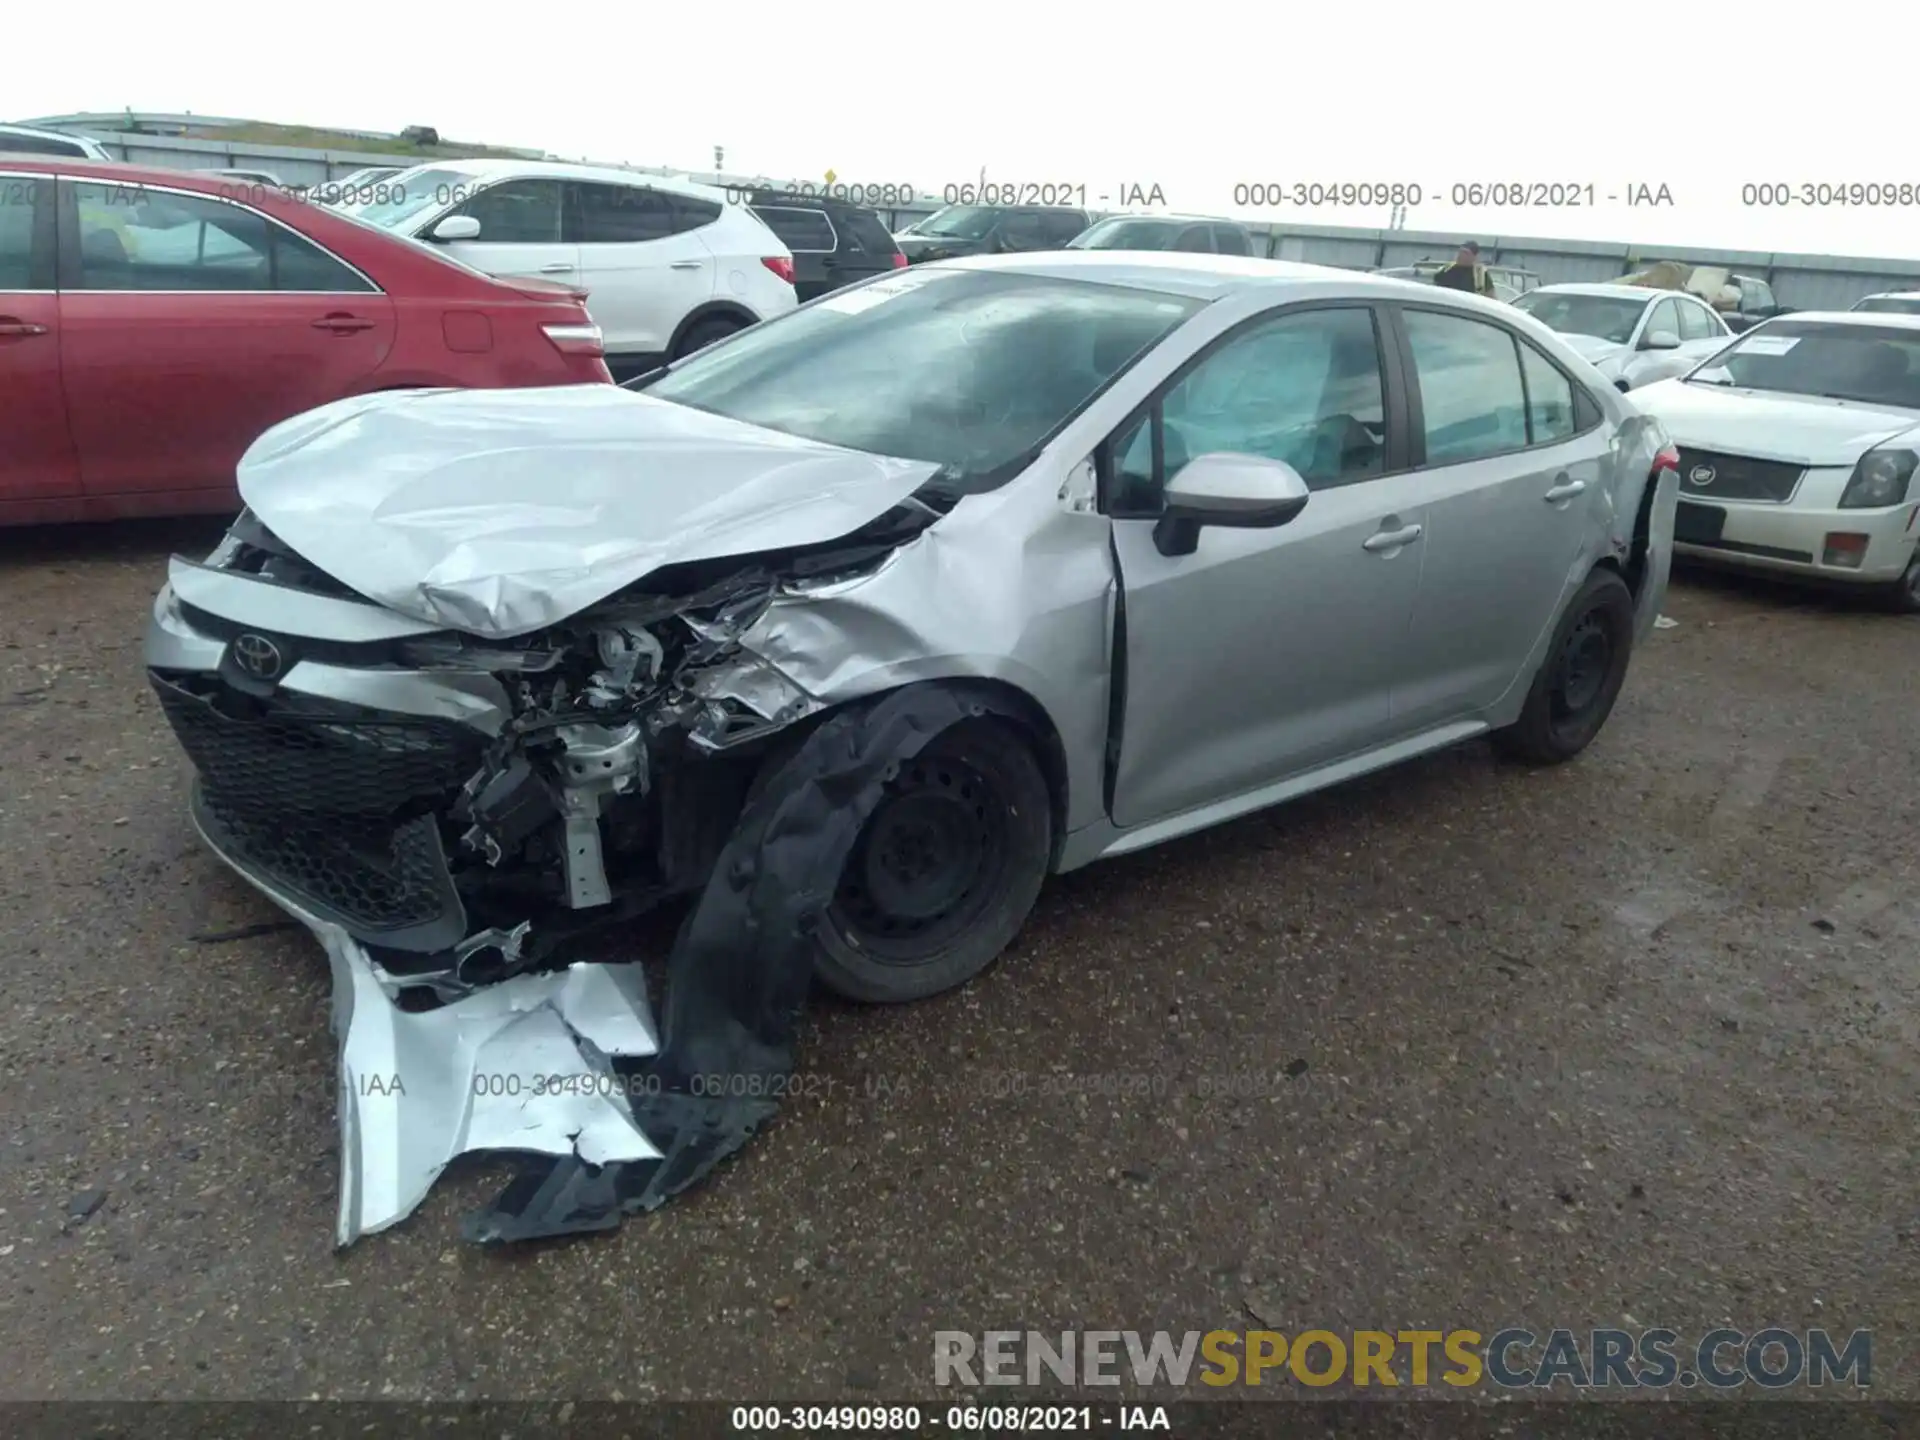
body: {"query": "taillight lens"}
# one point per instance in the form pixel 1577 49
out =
pixel 899 261
pixel 576 339
pixel 779 265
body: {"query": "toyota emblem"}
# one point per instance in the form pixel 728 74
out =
pixel 1701 475
pixel 258 656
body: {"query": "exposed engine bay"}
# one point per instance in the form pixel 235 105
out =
pixel 450 871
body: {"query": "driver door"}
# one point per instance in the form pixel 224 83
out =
pixel 1265 653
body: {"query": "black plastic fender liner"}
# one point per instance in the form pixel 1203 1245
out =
pixel 740 970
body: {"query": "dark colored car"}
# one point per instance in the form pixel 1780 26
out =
pixel 1191 234
pixel 1756 304
pixel 153 323
pixel 990 230
pixel 833 243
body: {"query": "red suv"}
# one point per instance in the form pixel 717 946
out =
pixel 153 323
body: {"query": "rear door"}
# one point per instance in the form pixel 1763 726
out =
pixel 1265 653
pixel 642 261
pixel 37 460
pixel 1512 473
pixel 810 234
pixel 520 232
pixel 190 324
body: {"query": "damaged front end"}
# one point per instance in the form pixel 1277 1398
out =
pixel 459 818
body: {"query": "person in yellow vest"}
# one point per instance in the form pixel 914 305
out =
pixel 1466 272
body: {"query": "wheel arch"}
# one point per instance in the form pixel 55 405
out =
pixel 991 696
pixel 710 310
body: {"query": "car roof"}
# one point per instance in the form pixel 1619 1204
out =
pixel 1888 319
pixel 1206 277
pixel 565 170
pixel 1171 219
pixel 213 182
pixel 1892 295
pixel 1616 292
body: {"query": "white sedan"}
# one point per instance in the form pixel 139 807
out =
pixel 1798 445
pixel 1632 335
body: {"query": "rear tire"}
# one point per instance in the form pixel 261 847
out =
pixel 704 333
pixel 1580 679
pixel 944 872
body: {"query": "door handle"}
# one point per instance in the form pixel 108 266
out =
pixel 560 267
pixel 685 265
pixel 342 324
pixel 1564 489
pixel 20 328
pixel 1391 539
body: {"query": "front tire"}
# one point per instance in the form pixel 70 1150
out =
pixel 944 872
pixel 1581 677
pixel 1903 596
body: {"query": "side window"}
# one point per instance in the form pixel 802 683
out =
pixel 132 238
pixel 1549 398
pixel 1193 240
pixel 1756 295
pixel 1304 388
pixel 517 212
pixel 690 212
pixel 1665 316
pixel 1471 395
pixel 18 208
pixel 863 234
pixel 801 230
pixel 298 264
pixel 1024 230
pixel 1695 322
pixel 616 215
pixel 39 145
pixel 1230 240
pixel 1062 227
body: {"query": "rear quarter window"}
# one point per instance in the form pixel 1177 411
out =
pixel 803 231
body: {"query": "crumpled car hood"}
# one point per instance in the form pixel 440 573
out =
pixel 498 512
pixel 1803 430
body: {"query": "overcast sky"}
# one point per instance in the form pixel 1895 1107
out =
pixel 1196 98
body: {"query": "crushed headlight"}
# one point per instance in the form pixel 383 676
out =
pixel 1880 479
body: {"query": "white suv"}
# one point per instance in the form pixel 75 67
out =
pixel 26 140
pixel 667 265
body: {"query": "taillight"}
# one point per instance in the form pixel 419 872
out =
pixel 779 265
pixel 899 261
pixel 576 339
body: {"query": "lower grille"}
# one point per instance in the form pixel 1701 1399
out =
pixel 336 806
pixel 1707 475
pixel 315 758
pixel 378 881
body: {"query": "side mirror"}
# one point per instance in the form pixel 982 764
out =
pixel 1660 340
pixel 455 227
pixel 1244 492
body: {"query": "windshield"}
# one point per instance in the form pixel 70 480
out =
pixel 1874 365
pixel 974 370
pixel 1605 317
pixel 1891 304
pixel 412 193
pixel 958 222
pixel 1127 235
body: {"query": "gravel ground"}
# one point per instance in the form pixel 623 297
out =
pixel 1629 1042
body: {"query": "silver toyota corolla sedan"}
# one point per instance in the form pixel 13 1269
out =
pixel 853 628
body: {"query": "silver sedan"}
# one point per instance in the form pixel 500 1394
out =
pixel 858 625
